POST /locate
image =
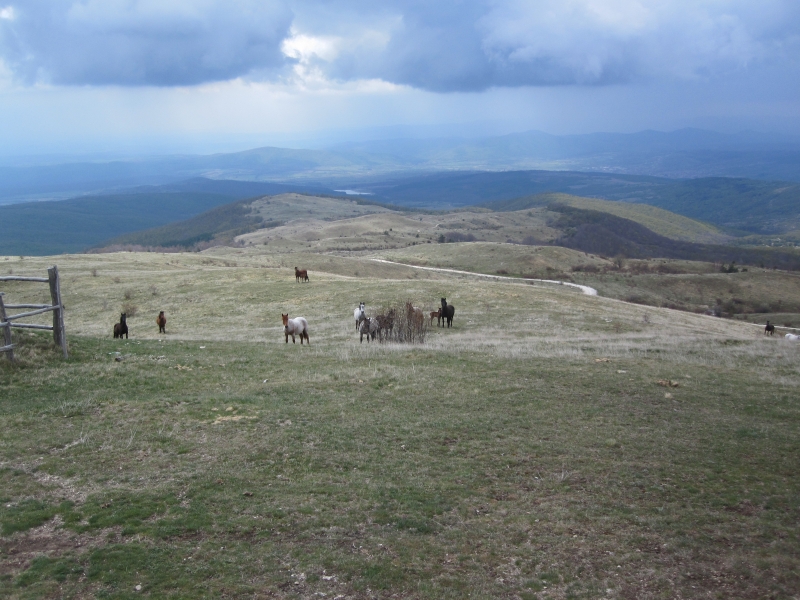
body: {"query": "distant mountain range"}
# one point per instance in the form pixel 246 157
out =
pixel 745 208
pixel 687 153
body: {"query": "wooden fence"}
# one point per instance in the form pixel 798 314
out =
pixel 7 322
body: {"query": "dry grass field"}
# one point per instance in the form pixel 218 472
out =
pixel 549 445
pixel 753 295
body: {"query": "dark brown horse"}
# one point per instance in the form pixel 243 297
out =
pixel 161 321
pixel 448 310
pixel 769 329
pixel 300 274
pixel 121 328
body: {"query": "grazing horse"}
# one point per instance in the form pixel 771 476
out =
pixel 359 315
pixel 296 326
pixel 161 321
pixel 769 329
pixel 436 314
pixel 121 328
pixel 448 310
pixel 300 275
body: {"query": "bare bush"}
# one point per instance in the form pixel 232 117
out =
pixel 128 294
pixel 410 326
pixel 130 309
pixel 94 272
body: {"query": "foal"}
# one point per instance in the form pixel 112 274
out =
pixel 161 321
pixel 296 326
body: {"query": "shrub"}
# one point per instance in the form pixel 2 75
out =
pixel 130 309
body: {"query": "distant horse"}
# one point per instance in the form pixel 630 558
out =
pixel 436 314
pixel 769 329
pixel 296 326
pixel 161 321
pixel 359 315
pixel 792 337
pixel 448 310
pixel 369 327
pixel 300 275
pixel 121 328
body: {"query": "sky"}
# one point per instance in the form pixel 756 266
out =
pixel 163 76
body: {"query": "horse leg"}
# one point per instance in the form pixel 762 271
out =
pixel 287 337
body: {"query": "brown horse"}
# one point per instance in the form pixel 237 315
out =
pixel 300 275
pixel 437 314
pixel 161 321
pixel 296 326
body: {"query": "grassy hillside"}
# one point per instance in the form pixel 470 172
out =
pixel 41 228
pixel 603 233
pixel 540 458
pixel 662 222
pixel 224 223
pixel 749 205
pixel 754 295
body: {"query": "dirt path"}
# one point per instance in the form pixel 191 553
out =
pixel 589 291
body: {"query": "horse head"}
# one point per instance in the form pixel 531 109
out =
pixel 285 318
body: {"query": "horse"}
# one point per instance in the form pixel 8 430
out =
pixel 300 275
pixel 369 327
pixel 161 321
pixel 769 329
pixel 448 310
pixel 792 337
pixel 436 314
pixel 296 326
pixel 121 328
pixel 359 315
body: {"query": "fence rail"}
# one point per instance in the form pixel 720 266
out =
pixel 57 308
pixel 18 278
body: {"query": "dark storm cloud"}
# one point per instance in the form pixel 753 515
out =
pixel 142 42
pixel 437 45
pixel 454 45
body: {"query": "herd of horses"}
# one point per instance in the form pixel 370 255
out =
pixel 380 327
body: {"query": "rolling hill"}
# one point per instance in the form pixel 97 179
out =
pixel 55 227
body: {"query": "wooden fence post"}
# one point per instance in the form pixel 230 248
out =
pixel 6 329
pixel 59 335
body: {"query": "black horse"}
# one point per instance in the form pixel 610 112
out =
pixel 769 329
pixel 121 328
pixel 448 310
